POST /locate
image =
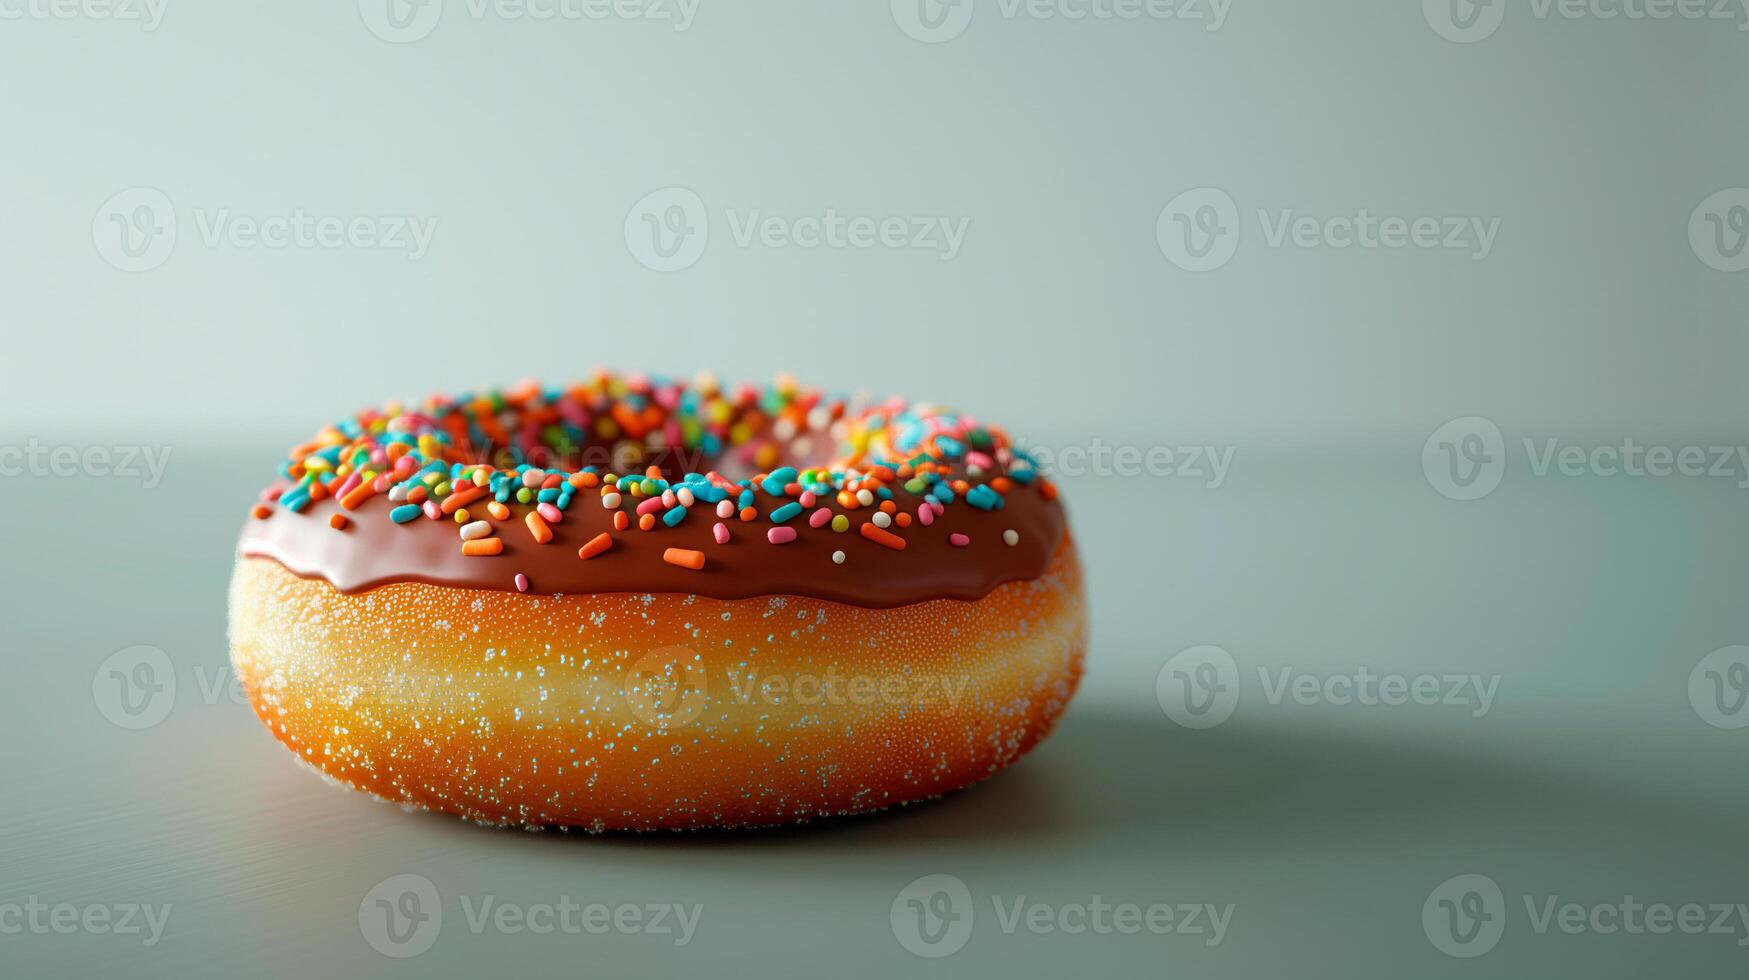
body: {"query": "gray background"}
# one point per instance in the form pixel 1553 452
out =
pixel 1591 597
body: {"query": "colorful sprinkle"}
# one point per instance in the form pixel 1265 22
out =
pixel 684 557
pixel 598 544
pixel 959 540
pixel 521 582
pixel 781 535
pixel 483 547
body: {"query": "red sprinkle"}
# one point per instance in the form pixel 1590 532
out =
pixel 882 536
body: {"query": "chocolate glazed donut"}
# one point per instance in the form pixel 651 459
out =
pixel 635 603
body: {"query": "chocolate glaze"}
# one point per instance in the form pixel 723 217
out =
pixel 373 551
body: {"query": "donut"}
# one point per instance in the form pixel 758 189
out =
pixel 638 603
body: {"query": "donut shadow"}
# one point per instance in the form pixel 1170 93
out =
pixel 1106 779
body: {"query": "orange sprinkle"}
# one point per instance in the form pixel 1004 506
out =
pixel 1048 488
pixel 883 536
pixel 338 521
pixel 748 513
pixel 483 547
pixel 461 498
pixel 1001 484
pixel 847 500
pixel 646 521
pixel 319 491
pixel 538 528
pixel 417 495
pixel 498 511
pixel 261 511
pixel 358 495
pixel 621 521
pixel 552 480
pixel 598 544
pixel 889 507
pixel 903 520
pixel 684 558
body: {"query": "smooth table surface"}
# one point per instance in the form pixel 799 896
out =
pixel 1325 827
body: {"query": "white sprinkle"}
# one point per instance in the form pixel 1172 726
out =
pixel 684 495
pixel 865 497
pixel 398 493
pixel 1011 536
pixel 883 519
pixel 610 501
pixel 837 557
pixel 476 529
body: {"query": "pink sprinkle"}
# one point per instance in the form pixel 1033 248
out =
pixel 820 517
pixel 378 456
pixel 807 499
pixel 725 509
pixel 432 510
pixel 380 484
pixel 779 535
pixel 720 531
pixel 271 494
pixel 346 485
pixel 935 505
pixel 925 516
pixel 404 467
pixel 650 506
pixel 552 514
pixel 975 458
pixel 668 499
pixel 532 478
pixel 959 540
pixel 521 582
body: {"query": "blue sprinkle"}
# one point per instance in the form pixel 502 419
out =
pixel 775 482
pixel 787 512
pixel 673 516
pixel 405 513
pixel 548 495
